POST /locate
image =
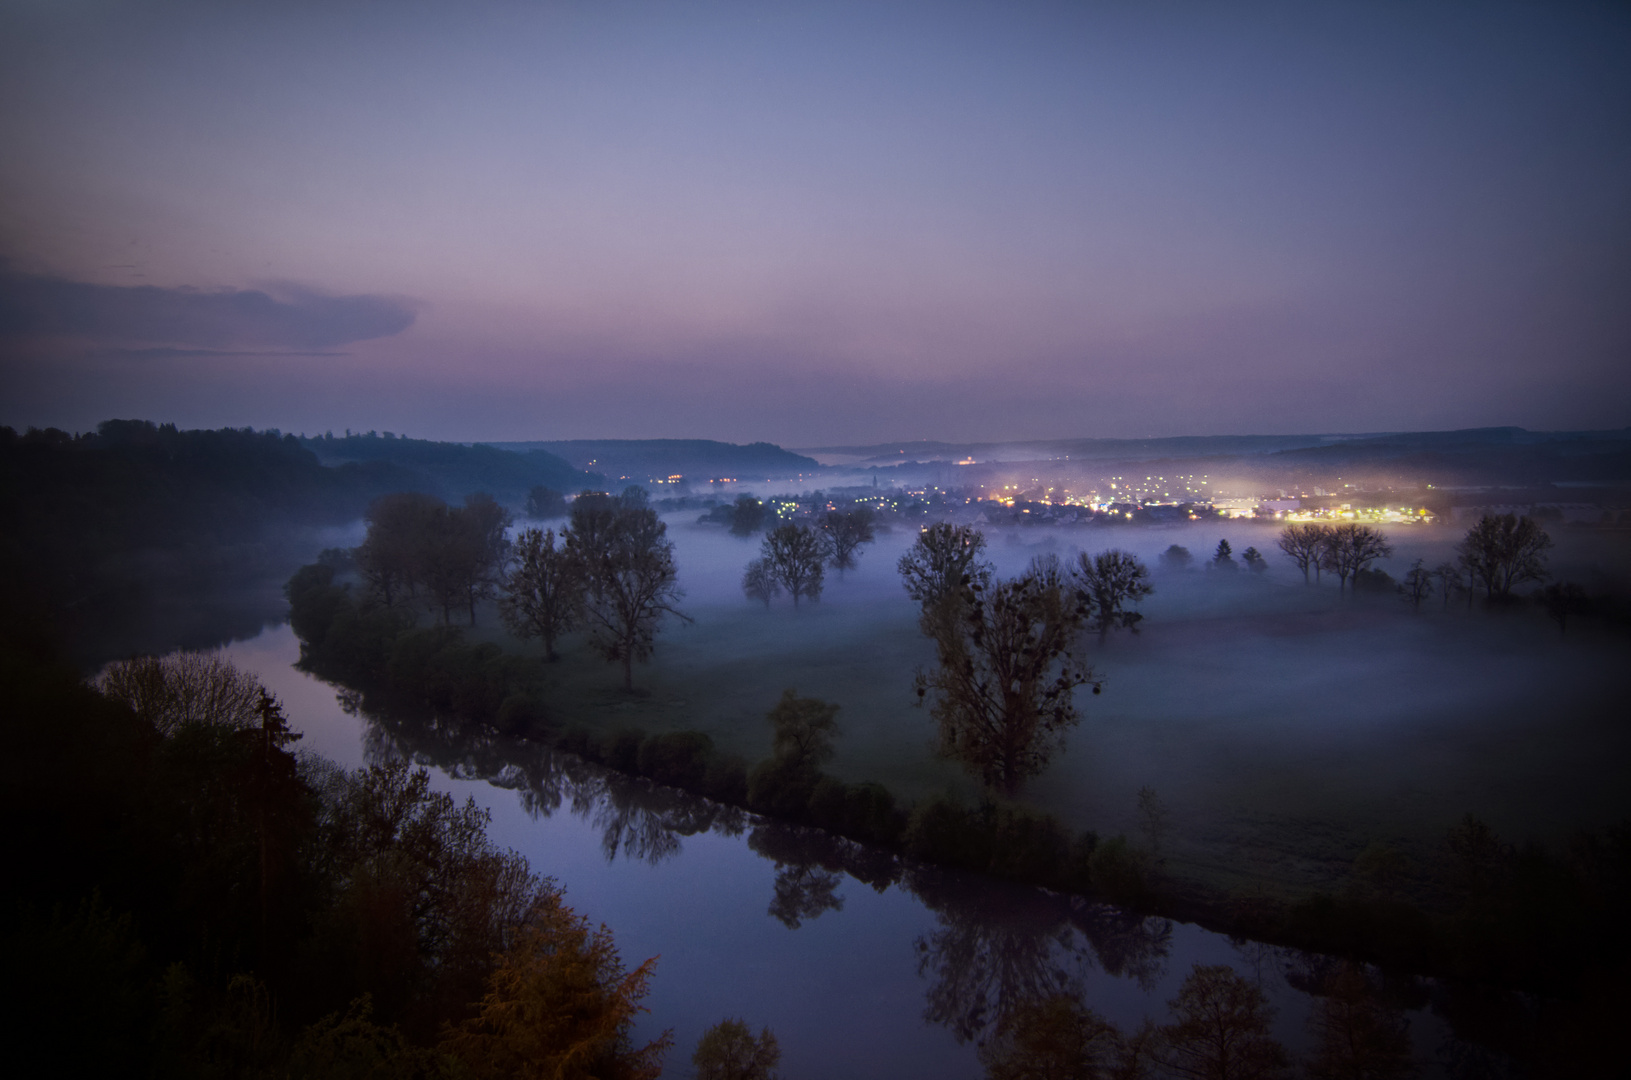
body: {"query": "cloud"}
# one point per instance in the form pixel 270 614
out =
pixel 289 317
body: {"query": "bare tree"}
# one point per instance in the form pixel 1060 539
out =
pixel 1113 581
pixel 845 533
pixel 1504 551
pixel 1563 599
pixel 1417 585
pixel 1222 1029
pixel 1448 575
pixel 186 688
pixel 543 596
pixel 1002 693
pixel 1304 543
pixel 1350 547
pixel 758 583
pixel 794 554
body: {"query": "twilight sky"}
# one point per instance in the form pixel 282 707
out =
pixel 815 223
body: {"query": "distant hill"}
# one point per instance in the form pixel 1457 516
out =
pixel 698 460
pixel 1507 455
pixel 1177 447
pixel 453 470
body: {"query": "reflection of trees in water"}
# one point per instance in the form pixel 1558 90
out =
pixel 998 948
pixel 636 818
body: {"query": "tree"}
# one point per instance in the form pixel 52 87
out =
pixel 543 597
pixel 1113 580
pixel 1448 575
pixel 845 533
pixel 544 503
pixel 629 579
pixel 1304 543
pixel 759 582
pixel 1356 1036
pixel 794 555
pixel 747 516
pixel 1002 692
pixel 1563 599
pixel 185 688
pixel 1222 1031
pixel 1056 1038
pixel 1417 585
pixel 1504 551
pixel 484 525
pixel 730 1051
pixel 1224 557
pixel 1254 560
pixel 391 557
pixel 804 728
pixel 1351 547
pixel 944 561
pixel 560 1006
pixel 1176 557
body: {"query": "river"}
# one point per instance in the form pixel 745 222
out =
pixel 897 980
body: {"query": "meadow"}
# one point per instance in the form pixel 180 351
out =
pixel 1283 728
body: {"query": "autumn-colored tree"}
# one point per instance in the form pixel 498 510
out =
pixel 1356 1035
pixel 559 1006
pixel 1222 1029
pixel 1056 1038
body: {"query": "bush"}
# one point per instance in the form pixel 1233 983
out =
pixel 679 758
pixel 727 779
pixel 522 714
pixel 781 788
pixel 1117 871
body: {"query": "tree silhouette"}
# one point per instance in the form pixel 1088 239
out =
pixel 1113 580
pixel 794 554
pixel 1504 551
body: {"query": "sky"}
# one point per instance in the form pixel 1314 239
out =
pixel 815 223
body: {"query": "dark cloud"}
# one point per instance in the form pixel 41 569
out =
pixel 116 315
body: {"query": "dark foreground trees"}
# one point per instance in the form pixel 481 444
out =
pixel 1002 691
pixel 1503 551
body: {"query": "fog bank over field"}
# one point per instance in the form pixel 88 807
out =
pixel 1285 728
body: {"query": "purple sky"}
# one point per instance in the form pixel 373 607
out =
pixel 816 224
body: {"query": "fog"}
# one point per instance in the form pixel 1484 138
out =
pixel 1285 727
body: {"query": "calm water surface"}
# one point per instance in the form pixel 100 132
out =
pixel 777 926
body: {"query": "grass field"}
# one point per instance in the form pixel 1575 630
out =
pixel 1284 728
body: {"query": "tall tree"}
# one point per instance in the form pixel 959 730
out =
pixel 794 555
pixel 1356 1035
pixel 1113 581
pixel 845 533
pixel 1002 691
pixel 1350 547
pixel 391 557
pixel 1564 599
pixel 804 731
pixel 629 578
pixel 944 561
pixel 543 596
pixel 484 525
pixel 1304 543
pixel 1504 551
pixel 1224 557
pixel 1448 575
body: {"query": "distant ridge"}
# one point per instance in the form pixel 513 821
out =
pixel 641 460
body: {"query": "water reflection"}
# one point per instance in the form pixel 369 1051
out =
pixel 995 948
